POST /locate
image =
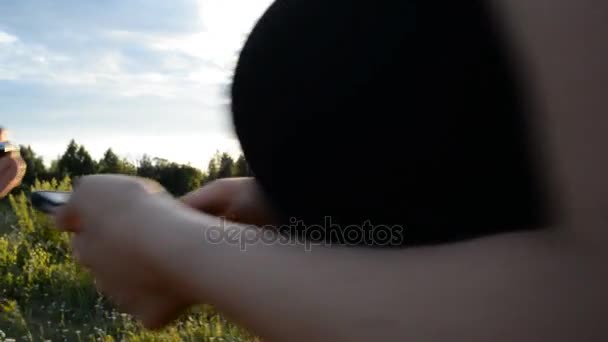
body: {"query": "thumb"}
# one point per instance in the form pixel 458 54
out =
pixel 211 199
pixel 66 219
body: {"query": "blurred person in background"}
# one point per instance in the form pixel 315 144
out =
pixel 12 167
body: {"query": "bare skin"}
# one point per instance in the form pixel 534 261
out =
pixel 237 199
pixel 12 169
pixel 151 254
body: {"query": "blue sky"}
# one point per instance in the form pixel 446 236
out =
pixel 140 76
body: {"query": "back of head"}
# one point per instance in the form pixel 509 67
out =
pixel 397 113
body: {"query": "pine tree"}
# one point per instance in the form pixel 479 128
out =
pixel 226 166
pixel 147 169
pixel 68 163
pixel 213 168
pixel 111 163
pixel 241 168
pixel 75 162
pixel 35 167
pixel 179 179
pixel 87 164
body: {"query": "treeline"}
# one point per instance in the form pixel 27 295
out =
pixel 176 178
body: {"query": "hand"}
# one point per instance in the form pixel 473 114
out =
pixel 237 199
pixel 124 232
pixel 12 170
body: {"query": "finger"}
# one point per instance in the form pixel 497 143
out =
pixel 151 185
pixel 68 219
pixel 211 199
pixel 84 201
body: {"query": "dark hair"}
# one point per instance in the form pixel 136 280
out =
pixel 399 112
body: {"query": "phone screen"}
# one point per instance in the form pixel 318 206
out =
pixel 49 201
pixel 57 198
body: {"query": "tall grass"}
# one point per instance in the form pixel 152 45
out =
pixel 44 295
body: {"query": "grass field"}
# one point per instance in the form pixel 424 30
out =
pixel 45 296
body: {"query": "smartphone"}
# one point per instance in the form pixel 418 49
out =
pixel 49 201
pixel 6 148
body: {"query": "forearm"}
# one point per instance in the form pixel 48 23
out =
pixel 505 287
pixel 278 291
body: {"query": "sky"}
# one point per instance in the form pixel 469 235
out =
pixel 138 76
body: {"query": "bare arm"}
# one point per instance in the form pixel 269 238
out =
pixel 520 287
pixel 152 255
pixel 543 286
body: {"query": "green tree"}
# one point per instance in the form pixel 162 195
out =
pixel 68 162
pixel 111 163
pixel 241 167
pixel 179 179
pixel 53 170
pixel 213 168
pixel 146 168
pixel 88 165
pixel 226 166
pixel 35 167
pixel 75 162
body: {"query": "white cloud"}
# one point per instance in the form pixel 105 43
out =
pixel 108 72
pixel 214 50
pixel 6 38
pixel 231 17
pixel 122 79
pixel 189 61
